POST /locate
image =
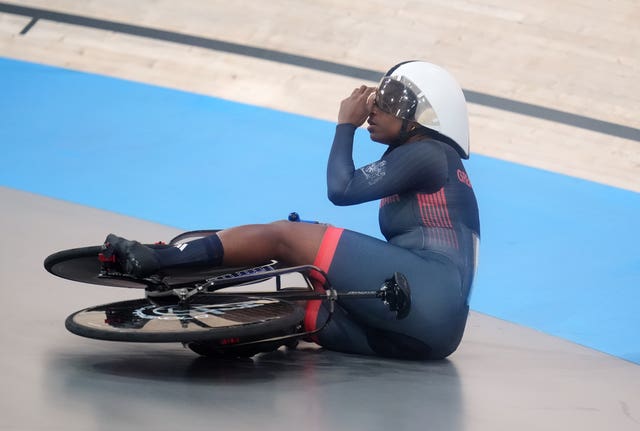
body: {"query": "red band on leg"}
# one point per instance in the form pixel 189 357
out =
pixel 323 260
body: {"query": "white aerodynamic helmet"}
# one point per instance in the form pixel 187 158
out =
pixel 429 95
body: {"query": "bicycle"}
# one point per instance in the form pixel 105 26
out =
pixel 203 308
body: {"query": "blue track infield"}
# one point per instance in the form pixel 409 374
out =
pixel 558 254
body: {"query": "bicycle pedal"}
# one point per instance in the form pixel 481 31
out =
pixel 397 295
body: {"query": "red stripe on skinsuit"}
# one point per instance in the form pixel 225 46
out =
pixel 323 260
pixel 438 207
pixel 424 210
pixel 445 209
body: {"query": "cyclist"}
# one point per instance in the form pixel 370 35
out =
pixel 428 215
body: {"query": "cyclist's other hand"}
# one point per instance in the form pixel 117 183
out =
pixel 356 108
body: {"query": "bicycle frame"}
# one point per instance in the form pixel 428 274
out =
pixel 183 288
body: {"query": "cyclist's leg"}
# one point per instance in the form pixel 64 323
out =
pixel 292 243
pixel 288 242
pixel 342 334
pixel 435 325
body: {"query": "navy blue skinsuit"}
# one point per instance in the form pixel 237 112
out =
pixel 429 216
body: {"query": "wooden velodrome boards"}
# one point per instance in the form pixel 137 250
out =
pixel 552 85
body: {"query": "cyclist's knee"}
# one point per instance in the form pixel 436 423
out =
pixel 280 232
pixel 296 243
pixel 280 226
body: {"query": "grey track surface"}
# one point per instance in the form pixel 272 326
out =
pixel 504 377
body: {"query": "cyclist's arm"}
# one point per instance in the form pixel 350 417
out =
pixel 411 166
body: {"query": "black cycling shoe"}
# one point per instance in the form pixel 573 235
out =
pixel 134 258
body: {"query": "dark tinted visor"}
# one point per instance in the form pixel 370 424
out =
pixel 394 98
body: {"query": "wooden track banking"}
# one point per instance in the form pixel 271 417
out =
pixel 575 57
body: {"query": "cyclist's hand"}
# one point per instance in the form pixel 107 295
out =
pixel 356 108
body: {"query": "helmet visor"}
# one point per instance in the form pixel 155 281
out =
pixel 400 97
pixel 396 98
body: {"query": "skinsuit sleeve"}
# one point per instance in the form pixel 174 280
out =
pixel 419 165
